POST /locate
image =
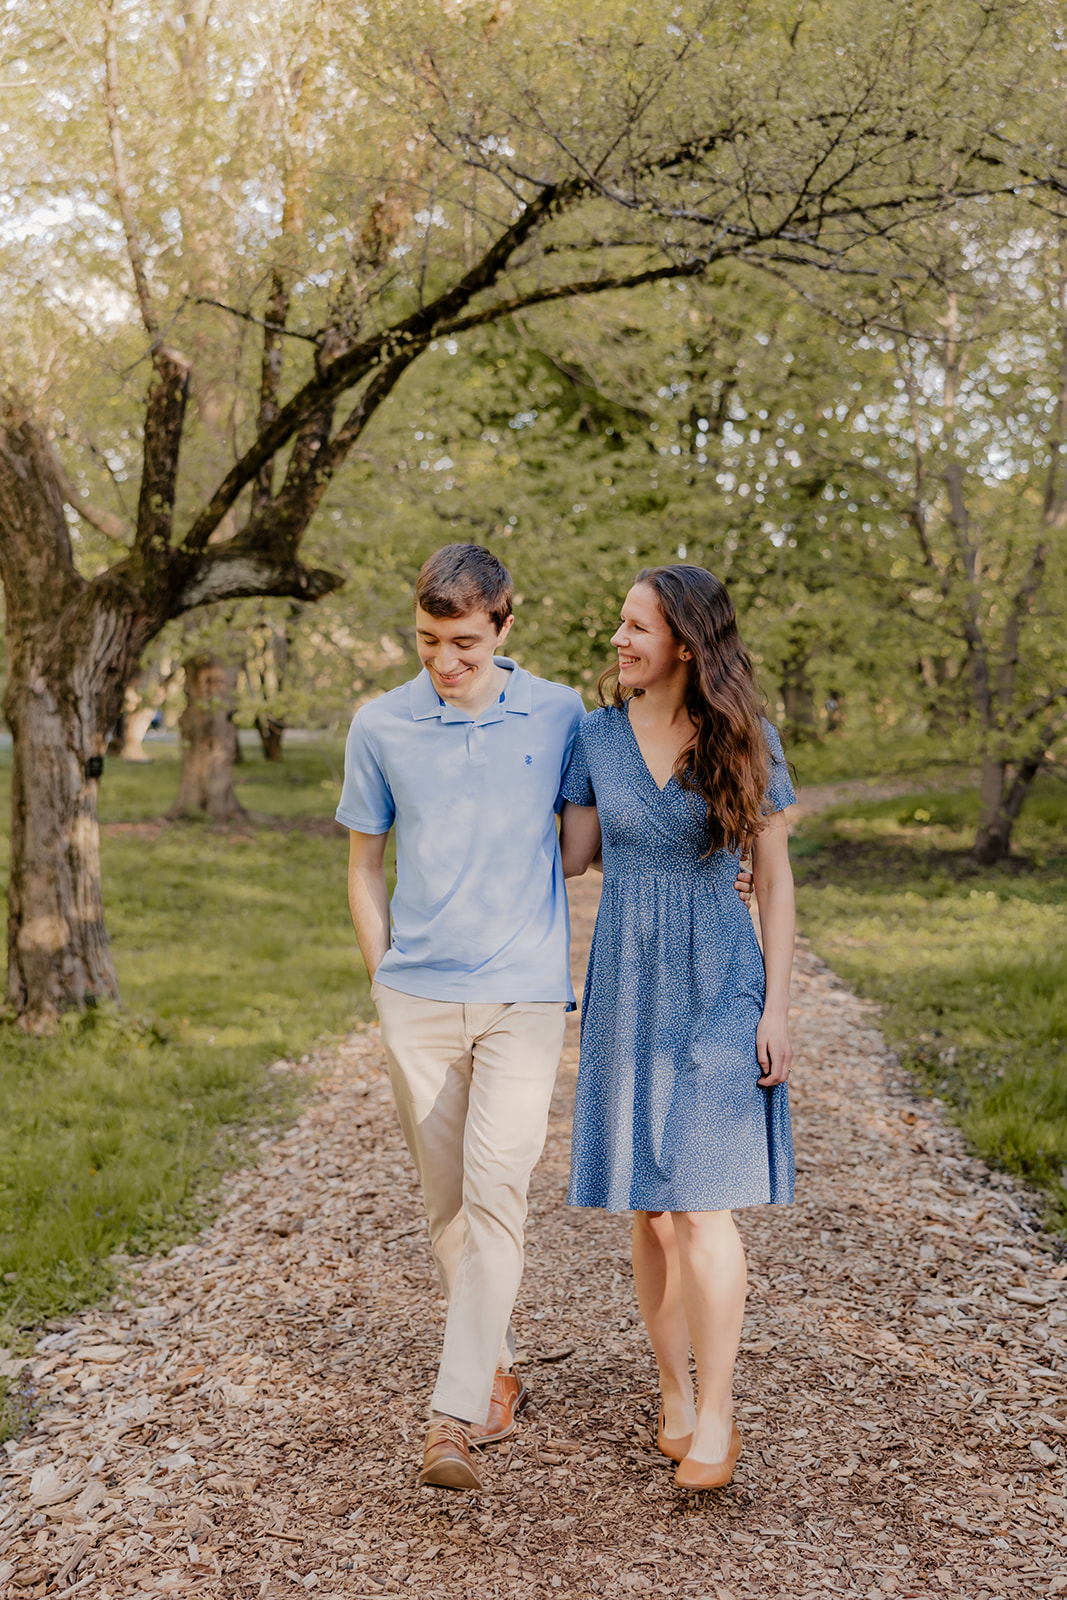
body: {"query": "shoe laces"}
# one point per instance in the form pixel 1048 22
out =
pixel 447 1429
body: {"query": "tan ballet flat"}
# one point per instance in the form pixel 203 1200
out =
pixel 693 1474
pixel 677 1449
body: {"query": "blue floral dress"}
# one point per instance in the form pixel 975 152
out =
pixel 668 1114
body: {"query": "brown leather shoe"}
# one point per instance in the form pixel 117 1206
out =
pixel 446 1460
pixel 710 1474
pixel 509 1394
pixel 677 1449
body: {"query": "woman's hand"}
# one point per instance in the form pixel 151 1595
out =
pixel 774 1051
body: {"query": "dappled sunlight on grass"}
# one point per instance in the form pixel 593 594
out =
pixel 970 964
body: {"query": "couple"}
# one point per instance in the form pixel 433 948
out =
pixel 682 1110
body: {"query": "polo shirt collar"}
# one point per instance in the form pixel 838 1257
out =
pixel 518 698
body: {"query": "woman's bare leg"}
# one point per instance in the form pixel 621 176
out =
pixel 714 1283
pixel 659 1294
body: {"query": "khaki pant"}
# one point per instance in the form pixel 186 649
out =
pixel 473 1085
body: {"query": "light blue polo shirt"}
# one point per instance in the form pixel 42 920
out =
pixel 479 912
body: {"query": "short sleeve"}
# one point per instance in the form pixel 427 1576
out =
pixel 779 791
pixel 577 786
pixel 366 803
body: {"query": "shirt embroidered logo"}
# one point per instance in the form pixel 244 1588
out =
pixel 529 760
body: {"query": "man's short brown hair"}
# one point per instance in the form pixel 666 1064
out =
pixel 461 578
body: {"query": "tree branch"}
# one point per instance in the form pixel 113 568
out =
pixel 227 572
pixel 344 360
pixel 341 364
pixel 36 558
pixel 164 420
pixel 1055 499
pixel 1022 600
pixel 105 522
pixel 122 185
pixel 1038 706
pixel 293 212
pixel 573 291
pixel 278 328
pixel 313 465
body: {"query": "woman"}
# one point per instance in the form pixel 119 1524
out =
pixel 682 1111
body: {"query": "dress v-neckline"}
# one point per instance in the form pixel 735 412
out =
pixel 641 754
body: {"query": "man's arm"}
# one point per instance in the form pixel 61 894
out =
pixel 579 838
pixel 368 897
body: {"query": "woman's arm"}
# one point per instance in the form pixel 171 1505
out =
pixel 777 911
pixel 579 838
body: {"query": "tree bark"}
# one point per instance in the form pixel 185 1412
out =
pixel 209 741
pixel 58 950
pixel 70 656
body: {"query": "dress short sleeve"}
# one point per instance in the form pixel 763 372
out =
pixel 366 803
pixel 577 786
pixel 779 791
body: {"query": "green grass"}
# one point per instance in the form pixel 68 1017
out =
pixel 233 948
pixel 969 964
pixel 864 750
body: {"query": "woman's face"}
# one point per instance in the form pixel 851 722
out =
pixel 648 651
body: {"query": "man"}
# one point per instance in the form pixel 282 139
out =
pixel 472 982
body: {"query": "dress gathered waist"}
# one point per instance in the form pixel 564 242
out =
pixel 695 872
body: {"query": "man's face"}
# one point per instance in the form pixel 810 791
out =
pixel 457 652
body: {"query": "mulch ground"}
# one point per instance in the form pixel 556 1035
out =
pixel 249 1422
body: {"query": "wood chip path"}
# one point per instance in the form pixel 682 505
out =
pixel 248 1425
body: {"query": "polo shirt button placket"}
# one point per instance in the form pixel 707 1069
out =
pixel 476 745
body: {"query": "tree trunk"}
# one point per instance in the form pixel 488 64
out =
pixel 209 741
pixel 59 956
pixel 142 700
pixel 270 730
pixel 73 647
pixel 135 724
pixel 71 652
pixel 798 696
pixel 1002 795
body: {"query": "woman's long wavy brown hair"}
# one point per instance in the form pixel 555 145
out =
pixel 726 765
